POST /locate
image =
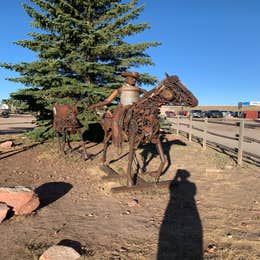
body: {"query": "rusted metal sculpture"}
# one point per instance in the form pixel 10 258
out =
pixel 66 123
pixel 140 121
pixel 129 93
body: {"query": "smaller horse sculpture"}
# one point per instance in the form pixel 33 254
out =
pixel 141 124
pixel 66 123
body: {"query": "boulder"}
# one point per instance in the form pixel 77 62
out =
pixel 22 200
pixel 132 203
pixel 3 211
pixel 58 252
pixel 6 144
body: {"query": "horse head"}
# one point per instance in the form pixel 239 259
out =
pixel 172 90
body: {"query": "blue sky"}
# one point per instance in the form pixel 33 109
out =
pixel 212 45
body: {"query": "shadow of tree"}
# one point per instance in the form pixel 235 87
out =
pixel 51 191
pixel 181 234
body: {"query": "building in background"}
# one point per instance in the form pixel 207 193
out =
pixel 251 103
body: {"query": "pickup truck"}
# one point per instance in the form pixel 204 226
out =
pixel 4 110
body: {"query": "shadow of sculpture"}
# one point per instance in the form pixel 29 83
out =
pixel 4 155
pixel 181 234
pixel 77 246
pixel 51 191
pixel 95 133
pixel 16 130
pixel 149 152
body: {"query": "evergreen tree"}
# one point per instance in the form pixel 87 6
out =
pixel 81 50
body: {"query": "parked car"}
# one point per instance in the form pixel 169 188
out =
pixel 196 113
pixel 4 110
pixel 213 114
pixel 170 113
pixel 237 114
pixel 226 113
pixel 183 113
pixel 4 113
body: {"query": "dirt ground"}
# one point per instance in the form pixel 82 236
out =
pixel 211 210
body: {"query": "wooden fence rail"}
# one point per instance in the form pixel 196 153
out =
pixel 240 154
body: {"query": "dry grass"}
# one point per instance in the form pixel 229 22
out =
pixel 227 203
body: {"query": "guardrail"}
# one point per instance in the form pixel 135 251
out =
pixel 238 152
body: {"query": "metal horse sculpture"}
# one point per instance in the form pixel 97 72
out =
pixel 66 123
pixel 140 122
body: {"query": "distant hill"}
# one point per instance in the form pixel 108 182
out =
pixel 229 108
pixel 204 108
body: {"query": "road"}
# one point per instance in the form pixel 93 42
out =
pixel 251 131
pixel 16 124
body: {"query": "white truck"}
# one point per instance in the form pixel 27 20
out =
pixel 4 110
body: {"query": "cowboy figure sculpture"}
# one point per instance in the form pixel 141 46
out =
pixel 129 94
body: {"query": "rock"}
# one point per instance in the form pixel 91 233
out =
pixel 22 200
pixel 3 211
pixel 212 248
pixel 128 212
pixel 229 235
pixel 6 144
pixel 60 253
pixel 132 203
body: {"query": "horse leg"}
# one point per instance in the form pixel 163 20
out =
pixel 59 135
pixel 163 160
pixel 130 180
pixel 86 155
pixel 68 140
pixel 137 164
pixel 106 143
pixel 63 142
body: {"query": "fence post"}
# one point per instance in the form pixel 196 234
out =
pixel 190 129
pixel 204 141
pixel 178 125
pixel 240 142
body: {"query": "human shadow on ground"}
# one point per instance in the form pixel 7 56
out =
pixel 51 191
pixel 149 152
pixel 181 234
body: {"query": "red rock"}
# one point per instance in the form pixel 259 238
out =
pixel 6 144
pixel 60 253
pixel 3 211
pixel 22 200
pixel 132 203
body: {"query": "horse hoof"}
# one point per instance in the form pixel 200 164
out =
pixel 88 157
pixel 130 183
pixel 105 163
pixel 141 171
